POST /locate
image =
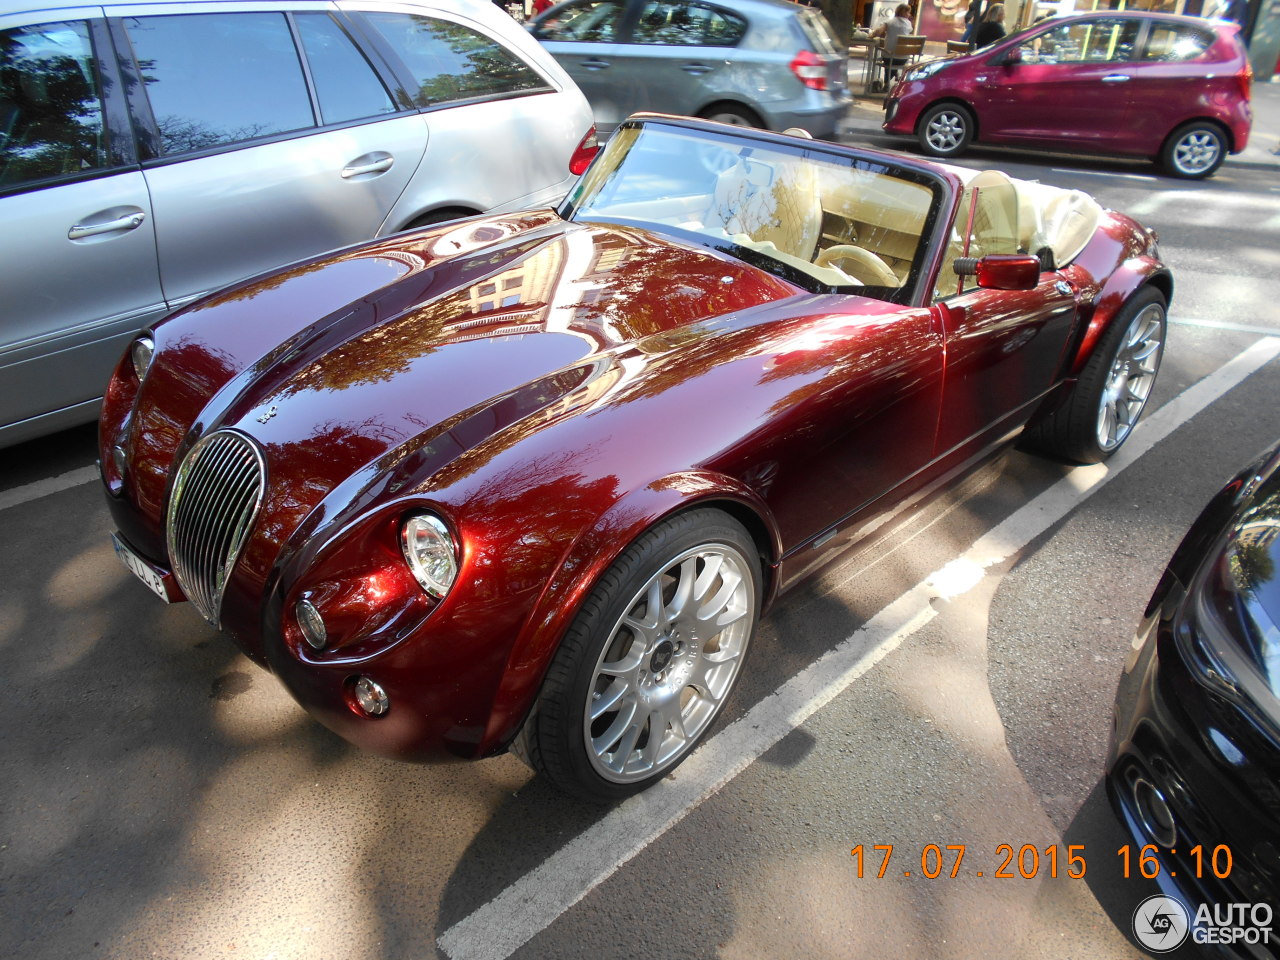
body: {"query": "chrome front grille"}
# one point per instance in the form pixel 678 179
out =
pixel 215 499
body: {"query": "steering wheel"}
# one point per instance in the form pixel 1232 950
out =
pixel 864 264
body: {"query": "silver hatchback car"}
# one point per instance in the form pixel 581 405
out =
pixel 763 63
pixel 152 152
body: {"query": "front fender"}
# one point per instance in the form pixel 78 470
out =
pixel 1129 277
pixel 587 559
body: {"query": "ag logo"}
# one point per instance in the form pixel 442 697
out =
pixel 1160 924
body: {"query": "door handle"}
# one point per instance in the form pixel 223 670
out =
pixel 697 69
pixel 1115 78
pixel 371 164
pixel 129 221
pixel 594 64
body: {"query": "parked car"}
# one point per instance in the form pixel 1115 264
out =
pixel 763 63
pixel 1175 89
pixel 528 481
pixel 151 153
pixel 1195 752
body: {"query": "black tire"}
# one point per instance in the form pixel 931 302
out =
pixel 733 113
pixel 945 130
pixel 1194 151
pixel 600 666
pixel 1078 429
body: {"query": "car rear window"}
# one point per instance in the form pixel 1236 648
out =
pixel 818 32
pixel 1170 42
pixel 452 63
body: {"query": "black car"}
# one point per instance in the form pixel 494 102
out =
pixel 1194 769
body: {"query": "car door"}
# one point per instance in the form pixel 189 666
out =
pixel 679 57
pixel 79 273
pixel 242 181
pixel 585 38
pixel 1004 349
pixel 1169 81
pixel 1070 84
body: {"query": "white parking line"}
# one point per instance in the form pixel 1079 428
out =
pixel 42 488
pixel 1104 173
pixel 1223 325
pixel 533 902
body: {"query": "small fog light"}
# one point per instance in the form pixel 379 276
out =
pixel 311 624
pixel 119 460
pixel 371 698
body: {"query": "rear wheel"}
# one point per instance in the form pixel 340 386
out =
pixel 733 113
pixel 945 130
pixel 650 659
pixel 1195 151
pixel 443 215
pixel 1114 387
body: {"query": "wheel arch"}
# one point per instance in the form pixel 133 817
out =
pixel 1121 286
pixel 737 106
pixel 439 213
pixel 1227 136
pixel 591 555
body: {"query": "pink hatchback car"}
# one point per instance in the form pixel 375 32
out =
pixel 1172 88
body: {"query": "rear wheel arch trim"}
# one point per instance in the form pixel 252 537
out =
pixel 1228 137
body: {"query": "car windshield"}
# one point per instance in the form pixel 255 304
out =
pixel 826 221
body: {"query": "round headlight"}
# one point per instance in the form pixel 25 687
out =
pixel 142 350
pixel 430 552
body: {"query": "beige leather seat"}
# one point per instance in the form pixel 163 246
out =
pixel 770 204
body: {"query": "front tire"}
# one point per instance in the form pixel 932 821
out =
pixel 1114 387
pixel 1194 152
pixel 650 660
pixel 946 130
pixel 733 113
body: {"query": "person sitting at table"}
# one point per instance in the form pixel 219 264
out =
pixel 991 28
pixel 898 26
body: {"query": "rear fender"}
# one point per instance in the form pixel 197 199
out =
pixel 589 557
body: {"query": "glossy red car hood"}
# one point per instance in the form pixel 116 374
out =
pixel 430 330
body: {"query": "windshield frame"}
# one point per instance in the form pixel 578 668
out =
pixel 910 293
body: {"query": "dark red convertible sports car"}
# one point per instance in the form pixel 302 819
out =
pixel 528 481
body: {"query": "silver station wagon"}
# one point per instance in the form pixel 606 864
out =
pixel 153 152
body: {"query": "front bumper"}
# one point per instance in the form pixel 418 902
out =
pixel 1216 767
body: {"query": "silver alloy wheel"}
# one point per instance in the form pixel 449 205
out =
pixel 669 663
pixel 729 116
pixel 1132 375
pixel 946 131
pixel 1196 151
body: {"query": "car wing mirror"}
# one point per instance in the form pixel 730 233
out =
pixel 1000 271
pixel 1013 57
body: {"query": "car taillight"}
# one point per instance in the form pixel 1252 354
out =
pixel 585 153
pixel 810 70
pixel 1245 78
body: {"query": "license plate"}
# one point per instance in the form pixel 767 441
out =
pixel 140 568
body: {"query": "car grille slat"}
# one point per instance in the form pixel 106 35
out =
pixel 216 496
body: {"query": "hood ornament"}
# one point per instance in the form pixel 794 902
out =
pixel 269 414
